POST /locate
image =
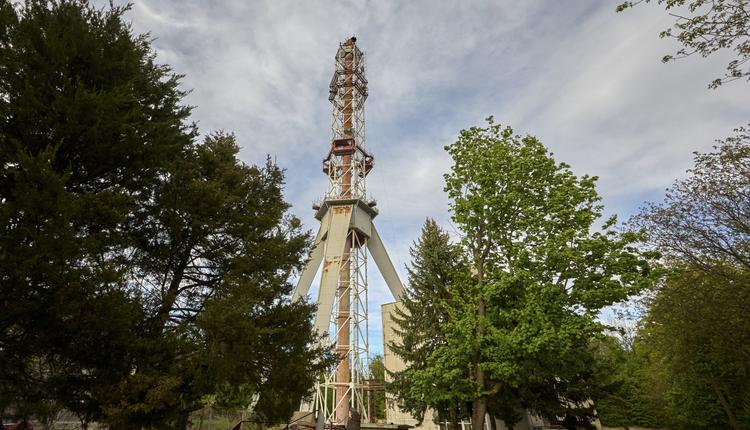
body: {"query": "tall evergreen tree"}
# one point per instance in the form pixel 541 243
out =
pixel 88 122
pixel 215 250
pixel 139 269
pixel 421 317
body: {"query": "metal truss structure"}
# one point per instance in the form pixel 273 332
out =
pixel 345 236
pixel 347 163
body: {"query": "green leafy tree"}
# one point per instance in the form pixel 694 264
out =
pixel 697 328
pixel 697 344
pixel 706 27
pixel 634 388
pixel 421 318
pixel 526 318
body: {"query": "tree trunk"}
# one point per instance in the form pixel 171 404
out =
pixel 184 420
pixel 725 405
pixel 173 291
pixel 493 422
pixel 477 415
pixel 480 402
pixel 453 418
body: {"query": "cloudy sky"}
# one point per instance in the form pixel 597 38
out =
pixel 587 81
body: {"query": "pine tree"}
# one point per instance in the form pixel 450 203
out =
pixel 88 121
pixel 140 270
pixel 421 316
pixel 213 257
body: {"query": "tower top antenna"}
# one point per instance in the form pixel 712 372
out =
pixel 347 162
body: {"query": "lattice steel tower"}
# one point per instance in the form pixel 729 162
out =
pixel 346 233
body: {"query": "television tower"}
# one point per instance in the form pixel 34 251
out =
pixel 346 234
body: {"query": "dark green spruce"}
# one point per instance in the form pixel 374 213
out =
pixel 424 310
pixel 140 269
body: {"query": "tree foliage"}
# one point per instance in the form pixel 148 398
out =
pixel 705 27
pixel 140 269
pixel 436 266
pixel 697 325
pixel 377 374
pixel 86 120
pixel 525 324
pixel 699 335
pixel 516 326
pixel 214 253
pixel 703 219
pixel 634 387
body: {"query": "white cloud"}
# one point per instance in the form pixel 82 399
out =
pixel 584 79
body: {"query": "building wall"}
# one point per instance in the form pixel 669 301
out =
pixel 393 363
